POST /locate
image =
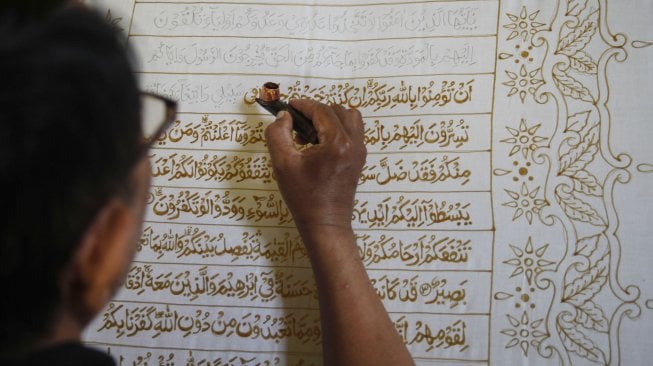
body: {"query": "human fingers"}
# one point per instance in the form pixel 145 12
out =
pixel 352 121
pixel 301 140
pixel 326 122
pixel 278 136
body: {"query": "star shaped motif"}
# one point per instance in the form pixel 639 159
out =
pixel 529 260
pixel 525 203
pixel 523 83
pixel 523 25
pixel 524 139
pixel 523 332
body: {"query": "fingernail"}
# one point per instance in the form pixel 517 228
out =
pixel 281 114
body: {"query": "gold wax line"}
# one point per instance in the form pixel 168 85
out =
pixel 309 77
pixel 438 313
pixel 253 266
pixel 222 265
pixel 357 40
pixel 213 305
pixel 131 345
pixel 218 265
pixel 229 114
pixel 368 153
pixel 131 20
pixel 202 149
pixel 224 225
pixel 269 352
pixel 431 114
pixel 184 223
pixel 364 117
pixel 276 190
pixel 282 308
pixel 313 5
pixel 461 360
pixel 494 92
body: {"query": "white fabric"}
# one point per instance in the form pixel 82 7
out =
pixel 503 213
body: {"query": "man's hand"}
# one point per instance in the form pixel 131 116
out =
pixel 319 183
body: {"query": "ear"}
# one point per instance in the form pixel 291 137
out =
pixel 102 258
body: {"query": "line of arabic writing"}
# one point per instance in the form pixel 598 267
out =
pixel 256 168
pixel 144 357
pixel 282 246
pixel 444 18
pixel 257 207
pixel 157 320
pixel 379 95
pixel 336 57
pixel 201 282
pixel 424 134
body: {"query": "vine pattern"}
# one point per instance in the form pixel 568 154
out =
pixel 579 171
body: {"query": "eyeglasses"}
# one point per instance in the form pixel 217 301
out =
pixel 157 114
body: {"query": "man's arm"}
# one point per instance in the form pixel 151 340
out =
pixel 318 185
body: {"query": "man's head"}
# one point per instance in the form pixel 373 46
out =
pixel 72 170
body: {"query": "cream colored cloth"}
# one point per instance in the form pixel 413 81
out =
pixel 503 213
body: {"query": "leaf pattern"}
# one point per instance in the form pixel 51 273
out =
pixel 583 288
pixel 579 37
pixel 582 331
pixel 576 341
pixel 575 7
pixel 577 122
pixel 581 155
pixel 571 87
pixel 577 158
pixel 586 246
pixel 591 316
pixel 578 209
pixel 586 183
pixel 582 62
pixel 588 314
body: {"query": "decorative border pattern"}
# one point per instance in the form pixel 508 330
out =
pixel 563 64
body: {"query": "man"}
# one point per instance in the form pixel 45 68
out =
pixel 74 166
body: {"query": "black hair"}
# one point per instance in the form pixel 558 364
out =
pixel 69 137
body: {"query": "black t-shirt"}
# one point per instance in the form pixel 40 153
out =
pixel 69 354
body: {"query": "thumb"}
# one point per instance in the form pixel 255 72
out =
pixel 278 136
